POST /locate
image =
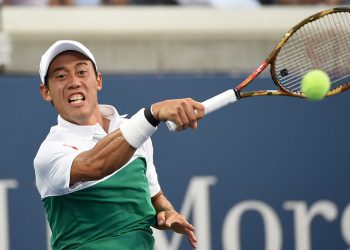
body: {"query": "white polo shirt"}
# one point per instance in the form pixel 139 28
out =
pixel 66 140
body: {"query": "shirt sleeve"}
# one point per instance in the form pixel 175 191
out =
pixel 151 172
pixel 52 166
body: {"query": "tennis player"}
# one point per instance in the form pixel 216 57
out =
pixel 94 171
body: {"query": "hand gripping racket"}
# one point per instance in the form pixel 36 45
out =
pixel 321 41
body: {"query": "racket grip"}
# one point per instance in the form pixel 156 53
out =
pixel 212 104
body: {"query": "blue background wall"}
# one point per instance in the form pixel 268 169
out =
pixel 271 149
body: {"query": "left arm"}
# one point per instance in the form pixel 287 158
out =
pixel 168 218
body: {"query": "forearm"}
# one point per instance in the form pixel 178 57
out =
pixel 107 156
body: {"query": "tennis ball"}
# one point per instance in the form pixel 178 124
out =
pixel 315 84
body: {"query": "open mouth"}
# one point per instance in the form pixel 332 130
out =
pixel 76 98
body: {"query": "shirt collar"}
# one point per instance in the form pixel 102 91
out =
pixel 90 131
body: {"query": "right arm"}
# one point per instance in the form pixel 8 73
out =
pixel 116 149
pixel 107 156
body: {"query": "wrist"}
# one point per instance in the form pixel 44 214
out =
pixel 148 112
pixel 137 129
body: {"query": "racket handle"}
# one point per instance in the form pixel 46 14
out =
pixel 212 104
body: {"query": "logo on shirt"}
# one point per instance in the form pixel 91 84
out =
pixel 73 147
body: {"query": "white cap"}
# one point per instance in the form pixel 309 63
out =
pixel 59 47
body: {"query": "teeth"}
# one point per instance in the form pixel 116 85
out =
pixel 77 101
pixel 77 97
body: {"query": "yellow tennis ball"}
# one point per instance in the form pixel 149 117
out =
pixel 315 84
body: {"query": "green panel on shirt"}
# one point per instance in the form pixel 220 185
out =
pixel 114 214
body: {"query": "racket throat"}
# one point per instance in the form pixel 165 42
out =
pixel 237 93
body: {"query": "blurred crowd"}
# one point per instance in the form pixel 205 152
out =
pixel 218 3
pixel 310 2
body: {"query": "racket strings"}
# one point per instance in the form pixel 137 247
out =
pixel 324 58
pixel 322 52
pixel 320 44
pixel 328 65
pixel 293 80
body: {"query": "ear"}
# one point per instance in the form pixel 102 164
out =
pixel 45 93
pixel 99 82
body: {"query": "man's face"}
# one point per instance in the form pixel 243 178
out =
pixel 72 87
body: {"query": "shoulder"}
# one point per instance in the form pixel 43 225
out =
pixel 54 146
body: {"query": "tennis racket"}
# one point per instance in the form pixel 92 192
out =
pixel 321 41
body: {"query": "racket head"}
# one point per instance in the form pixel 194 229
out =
pixel 321 41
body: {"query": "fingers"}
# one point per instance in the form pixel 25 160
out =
pixel 171 218
pixel 199 109
pixel 176 222
pixel 161 218
pixel 184 227
pixel 187 118
pixel 191 238
pixel 183 112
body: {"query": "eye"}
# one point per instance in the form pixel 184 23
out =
pixel 82 72
pixel 60 76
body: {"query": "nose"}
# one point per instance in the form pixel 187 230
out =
pixel 75 83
